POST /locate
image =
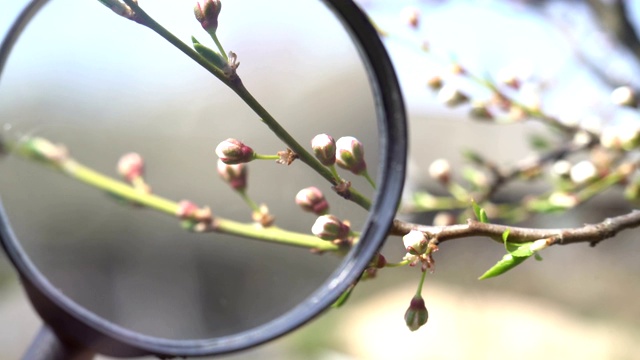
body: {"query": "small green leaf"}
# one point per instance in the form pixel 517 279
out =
pixel 537 257
pixel 507 263
pixel 505 236
pixel 521 250
pixel 481 215
pixel 473 157
pixel 539 142
pixel 213 57
pixel 343 298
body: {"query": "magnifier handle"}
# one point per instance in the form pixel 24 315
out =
pixel 47 346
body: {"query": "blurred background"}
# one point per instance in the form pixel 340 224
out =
pixel 90 83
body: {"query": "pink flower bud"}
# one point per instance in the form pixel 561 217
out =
pixel 324 148
pixel 312 200
pixel 417 314
pixel 329 227
pixel 186 209
pixel 206 12
pixel 350 155
pixel 232 151
pixel 131 166
pixel 234 175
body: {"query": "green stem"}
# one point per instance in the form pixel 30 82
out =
pixel 419 290
pixel 247 199
pixel 369 179
pixel 219 45
pixel 236 85
pixel 272 234
pixel 257 156
pixel 399 264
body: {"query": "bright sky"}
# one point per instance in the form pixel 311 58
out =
pixel 485 35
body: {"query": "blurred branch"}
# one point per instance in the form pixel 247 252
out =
pixel 614 18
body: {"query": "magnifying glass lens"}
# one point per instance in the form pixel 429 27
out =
pixel 90 87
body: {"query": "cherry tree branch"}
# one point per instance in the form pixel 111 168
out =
pixel 589 233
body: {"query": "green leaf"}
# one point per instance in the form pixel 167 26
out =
pixel 507 263
pixel 539 142
pixel 520 250
pixel 537 257
pixel 473 157
pixel 211 56
pixel 481 215
pixel 505 236
pixel 343 298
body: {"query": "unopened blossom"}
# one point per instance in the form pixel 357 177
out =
pixel 350 155
pixel 624 96
pixel 440 170
pixel 232 151
pixel 235 175
pixel 206 12
pixel 311 199
pixel 416 314
pixel 131 166
pixel 324 149
pixel 329 227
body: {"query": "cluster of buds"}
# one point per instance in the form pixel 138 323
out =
pixel 620 137
pixel 347 152
pixel 196 219
pixel 330 228
pixel 419 249
pixel 232 151
pixel 311 199
pixel 131 168
pixel 235 175
pixel 206 12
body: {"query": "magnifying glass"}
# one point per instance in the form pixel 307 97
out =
pixel 192 257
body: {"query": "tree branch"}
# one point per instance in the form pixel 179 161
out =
pixel 590 233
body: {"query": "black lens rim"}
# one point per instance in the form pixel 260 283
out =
pixel 75 324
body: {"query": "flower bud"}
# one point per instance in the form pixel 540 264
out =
pixel 417 314
pixel 131 166
pixel 189 210
pixel 350 155
pixel 206 12
pixel 451 96
pixel 440 170
pixel 235 175
pixel 411 16
pixel 583 172
pixel 435 82
pixel 624 96
pixel 324 148
pixel 232 151
pixel 312 200
pixel 480 111
pixel 329 227
pixel 415 242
